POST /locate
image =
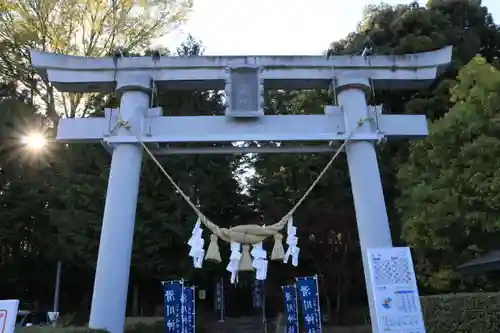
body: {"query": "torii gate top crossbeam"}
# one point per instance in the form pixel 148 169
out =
pixel 86 74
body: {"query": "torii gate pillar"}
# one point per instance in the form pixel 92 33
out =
pixel 367 192
pixel 109 300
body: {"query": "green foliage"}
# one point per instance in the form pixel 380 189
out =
pixel 462 313
pixel 450 184
pixel 469 28
pixel 401 29
pixel 145 325
pixel 457 313
pixel 413 28
pixel 86 28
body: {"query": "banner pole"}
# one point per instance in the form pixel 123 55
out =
pixel 296 307
pixel 182 306
pixel 264 306
pixel 320 319
pixel 194 309
pixel 222 300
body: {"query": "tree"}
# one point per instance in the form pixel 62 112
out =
pixel 22 194
pixel 78 27
pixel 466 25
pixel 450 183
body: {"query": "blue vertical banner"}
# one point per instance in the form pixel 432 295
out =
pixel 258 294
pixel 307 288
pixel 219 295
pixel 219 305
pixel 172 311
pixel 188 309
pixel 291 308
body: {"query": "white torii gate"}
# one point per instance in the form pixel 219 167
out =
pixel 244 79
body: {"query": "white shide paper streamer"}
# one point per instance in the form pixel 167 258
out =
pixel 291 240
pixel 196 242
pixel 234 261
pixel 259 261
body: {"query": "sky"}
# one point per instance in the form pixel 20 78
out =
pixel 276 27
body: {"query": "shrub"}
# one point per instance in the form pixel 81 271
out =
pixel 453 313
pixel 462 313
pixel 145 325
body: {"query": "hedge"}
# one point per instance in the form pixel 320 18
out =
pixel 462 313
pixel 454 313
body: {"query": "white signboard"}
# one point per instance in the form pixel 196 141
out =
pixel 8 314
pixel 397 303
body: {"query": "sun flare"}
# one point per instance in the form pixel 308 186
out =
pixel 34 141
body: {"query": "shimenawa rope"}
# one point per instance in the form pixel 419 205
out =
pixel 242 234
